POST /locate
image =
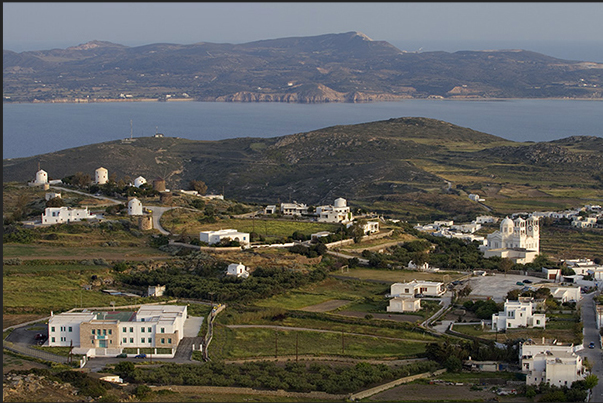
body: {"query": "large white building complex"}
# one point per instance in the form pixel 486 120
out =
pixel 518 240
pixel 557 365
pixel 107 333
pixel 518 314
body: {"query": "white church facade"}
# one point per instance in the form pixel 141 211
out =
pixel 517 240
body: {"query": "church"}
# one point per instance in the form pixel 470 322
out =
pixel 517 240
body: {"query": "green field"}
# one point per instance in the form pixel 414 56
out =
pixel 253 342
pixel 187 223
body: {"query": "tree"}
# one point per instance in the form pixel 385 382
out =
pixel 199 186
pixel 591 381
pixel 55 202
pixel 81 179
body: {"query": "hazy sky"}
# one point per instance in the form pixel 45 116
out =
pixel 567 29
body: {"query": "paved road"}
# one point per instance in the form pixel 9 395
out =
pixel 591 334
pixel 157 212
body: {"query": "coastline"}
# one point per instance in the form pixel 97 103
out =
pixel 463 99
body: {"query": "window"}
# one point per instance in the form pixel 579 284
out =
pixel 142 340
pixel 163 330
pixel 162 341
pixel 98 331
pixel 131 340
pixel 142 329
pixel 93 331
pixel 70 329
pixel 142 319
pixel 150 329
pixel 149 340
pixel 169 341
pixel 125 340
pixel 52 329
pixel 52 339
pixel 123 329
pixel 131 330
pixel 110 331
pixel 104 332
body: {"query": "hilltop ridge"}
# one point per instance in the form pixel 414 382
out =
pixel 344 67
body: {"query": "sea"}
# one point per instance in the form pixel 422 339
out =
pixel 34 129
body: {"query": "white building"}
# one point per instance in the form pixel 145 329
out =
pixel 214 237
pixel 270 209
pixel 557 365
pixel 41 177
pixel 518 240
pixel 517 314
pixel 155 290
pixel 552 274
pixel 338 213
pixel 584 222
pixel 566 294
pixel 475 197
pixel 134 207
pixel 320 234
pixel 107 333
pixel 101 176
pixel 414 288
pixel 370 227
pixel 485 219
pixel 294 208
pixel 443 223
pixel 469 228
pixel 238 270
pixel 582 266
pixel 51 195
pixel 404 304
pixel 60 215
pixel 138 182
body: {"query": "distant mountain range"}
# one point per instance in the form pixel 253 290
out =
pixel 403 161
pixel 346 67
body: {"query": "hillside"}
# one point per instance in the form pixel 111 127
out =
pixel 346 67
pixel 399 161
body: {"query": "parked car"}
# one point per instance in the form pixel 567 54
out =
pixel 519 283
pixel 140 356
pixel 122 355
pixel 591 345
pixel 526 281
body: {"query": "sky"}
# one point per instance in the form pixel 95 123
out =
pixel 567 30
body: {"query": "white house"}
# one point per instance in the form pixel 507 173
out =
pixel 414 288
pixel 566 294
pixel 294 208
pixel 320 234
pixel 155 290
pixel 270 209
pixel 470 228
pixel 518 240
pixel 138 182
pixel 485 219
pixel 404 304
pixel 107 333
pixel 475 197
pixel 101 176
pixel 51 195
pixel 337 213
pixel 443 223
pixel 584 222
pixel 214 237
pixel 517 314
pixel 370 227
pixel 134 206
pixel 238 270
pixel 59 215
pixel 557 365
pixel 552 274
pixel 582 266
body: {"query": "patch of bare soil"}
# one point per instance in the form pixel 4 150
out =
pixel 326 306
pixel 415 392
pixel 9 320
pixel 10 362
pixel 395 317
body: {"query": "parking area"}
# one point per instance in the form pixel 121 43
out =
pixel 499 285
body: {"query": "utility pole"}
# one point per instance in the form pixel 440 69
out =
pixel 296 345
pixel 342 343
pixel 276 344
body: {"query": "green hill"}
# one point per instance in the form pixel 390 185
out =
pixel 403 161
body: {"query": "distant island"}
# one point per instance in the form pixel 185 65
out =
pixel 345 67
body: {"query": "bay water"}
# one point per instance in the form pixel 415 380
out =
pixel 34 129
